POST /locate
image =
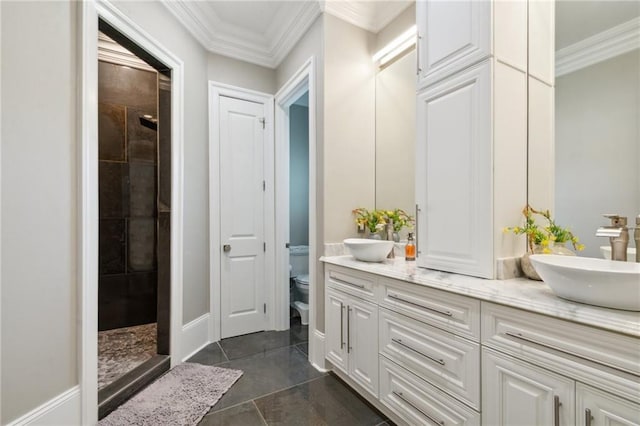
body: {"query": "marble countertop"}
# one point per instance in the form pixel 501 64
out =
pixel 522 293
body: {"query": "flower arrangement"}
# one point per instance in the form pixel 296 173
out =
pixel 400 219
pixel 546 236
pixel 376 220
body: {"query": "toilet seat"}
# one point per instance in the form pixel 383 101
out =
pixel 303 279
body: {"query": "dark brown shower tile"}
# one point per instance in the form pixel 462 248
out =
pixel 141 243
pixel 142 190
pixel 112 246
pixel 113 189
pixel 142 141
pixel 126 300
pixel 127 86
pixel 111 132
pixel 164 147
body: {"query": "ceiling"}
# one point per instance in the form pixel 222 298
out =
pixel 263 32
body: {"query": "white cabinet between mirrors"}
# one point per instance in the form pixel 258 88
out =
pixel 428 356
pixel 474 118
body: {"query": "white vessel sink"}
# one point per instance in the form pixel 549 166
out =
pixel 600 282
pixel 368 250
pixel 606 253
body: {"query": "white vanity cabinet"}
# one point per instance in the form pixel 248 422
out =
pixel 595 407
pixel 516 393
pixel 535 367
pixel 425 354
pixel 351 333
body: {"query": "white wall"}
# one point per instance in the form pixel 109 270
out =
pixel 39 201
pixel 299 175
pixel 349 114
pixel 598 147
pixel 231 71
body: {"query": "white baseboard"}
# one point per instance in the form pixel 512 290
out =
pixel 316 354
pixel 64 409
pixel 195 336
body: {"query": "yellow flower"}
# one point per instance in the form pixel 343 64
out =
pixel 546 250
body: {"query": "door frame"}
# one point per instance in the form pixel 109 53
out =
pixel 88 235
pixel 302 80
pixel 216 90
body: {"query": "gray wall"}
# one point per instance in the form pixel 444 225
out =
pixel 598 146
pixel 299 175
pixel 231 71
pixel 39 201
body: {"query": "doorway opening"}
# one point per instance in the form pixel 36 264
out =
pixel 299 210
pixel 134 181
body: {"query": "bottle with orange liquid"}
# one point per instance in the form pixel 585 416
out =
pixel 410 248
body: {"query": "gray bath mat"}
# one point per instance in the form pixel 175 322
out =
pixel 181 397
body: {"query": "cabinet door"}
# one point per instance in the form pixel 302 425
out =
pixel 596 407
pixel 454 174
pixel 452 35
pixel 516 393
pixel 335 328
pixel 362 339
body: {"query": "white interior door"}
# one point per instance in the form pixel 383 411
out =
pixel 242 228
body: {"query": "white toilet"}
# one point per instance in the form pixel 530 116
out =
pixel 299 262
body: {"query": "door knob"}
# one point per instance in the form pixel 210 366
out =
pixel 226 248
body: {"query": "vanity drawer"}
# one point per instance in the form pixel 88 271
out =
pixel 419 403
pixel 439 357
pixel 608 360
pixel 352 282
pixel 457 314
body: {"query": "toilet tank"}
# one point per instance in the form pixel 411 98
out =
pixel 299 260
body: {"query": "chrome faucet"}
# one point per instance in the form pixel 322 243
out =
pixel 392 253
pixel 636 237
pixel 618 236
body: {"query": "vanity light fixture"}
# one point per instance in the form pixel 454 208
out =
pixel 397 46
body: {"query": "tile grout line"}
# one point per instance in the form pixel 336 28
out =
pixel 268 394
pixel 223 352
pixel 259 353
pixel 253 401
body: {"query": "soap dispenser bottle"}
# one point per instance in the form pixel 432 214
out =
pixel 410 248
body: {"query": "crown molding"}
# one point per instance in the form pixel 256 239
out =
pixel 268 49
pixel 112 52
pixel 220 37
pixel 362 15
pixel 610 43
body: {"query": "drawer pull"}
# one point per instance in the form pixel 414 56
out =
pixel 338 280
pixel 431 419
pixel 401 343
pixel 556 410
pixel 341 325
pixel 587 417
pixel 437 311
pixel 348 329
pixel 570 353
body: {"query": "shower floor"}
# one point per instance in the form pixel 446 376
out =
pixel 122 349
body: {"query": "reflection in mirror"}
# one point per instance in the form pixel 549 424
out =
pixel 597 116
pixel 395 135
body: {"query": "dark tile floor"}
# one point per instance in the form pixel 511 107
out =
pixel 279 386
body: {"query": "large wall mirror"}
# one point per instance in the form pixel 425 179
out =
pixel 597 116
pixel 395 134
